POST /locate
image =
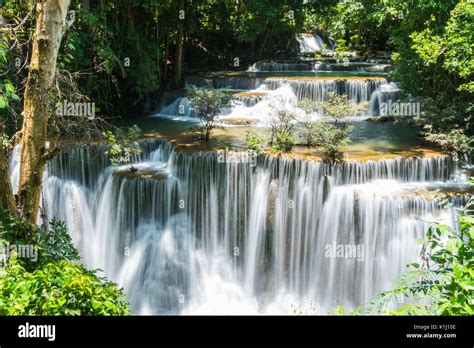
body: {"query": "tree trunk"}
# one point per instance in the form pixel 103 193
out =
pixel 178 59
pixel 50 28
pixel 263 45
pixel 7 200
pixel 359 34
pixel 164 77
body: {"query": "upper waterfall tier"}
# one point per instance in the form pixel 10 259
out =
pixel 311 43
pixel 357 90
pixel 288 66
pixel 314 88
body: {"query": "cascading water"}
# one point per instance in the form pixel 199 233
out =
pixel 191 233
pixel 309 43
pixel 385 93
pixel 356 90
pixel 256 104
pixel 288 66
pixel 181 107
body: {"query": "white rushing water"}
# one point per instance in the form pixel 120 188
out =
pixel 309 43
pixel 257 103
pixel 191 234
pixel 385 93
pixel 288 66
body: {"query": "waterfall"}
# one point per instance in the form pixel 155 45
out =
pixel 247 100
pixel 360 66
pixel 287 66
pixel 14 168
pixel 261 112
pixel 309 43
pixel 180 107
pixel 256 103
pixel 385 92
pixel 357 90
pixel 205 236
pixel 316 89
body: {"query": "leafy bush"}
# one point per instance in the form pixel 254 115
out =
pixel 284 141
pixel 332 138
pixel 53 284
pixel 447 122
pixel 340 107
pixel 310 129
pixel 53 243
pixel 123 147
pixel 56 244
pixel 255 141
pixel 58 288
pixel 454 143
pixel 282 134
pixel 207 104
pixel 310 132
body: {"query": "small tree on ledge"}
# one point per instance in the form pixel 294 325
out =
pixel 206 104
pixel 330 137
pixel 340 107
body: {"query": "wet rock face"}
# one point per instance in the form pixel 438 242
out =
pixel 144 172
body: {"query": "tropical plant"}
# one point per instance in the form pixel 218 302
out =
pixel 206 104
pixel 54 283
pixel 123 146
pixel 339 107
pixel 331 138
pixel 58 288
pixel 455 143
pixel 255 141
pixel 282 134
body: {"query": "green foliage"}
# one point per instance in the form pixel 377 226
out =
pixel 7 88
pixel 454 143
pixel 56 243
pixel 123 146
pixel 452 47
pixel 7 92
pixel 443 283
pixel 447 122
pixel 207 104
pixel 311 310
pixel 340 107
pixel 54 284
pixel 434 58
pixel 282 136
pixel 341 45
pixel 332 138
pixel 113 52
pixel 342 311
pixel 284 140
pixel 311 132
pixel 58 288
pixel 255 141
pixel 13 228
pixel 310 129
pixel 354 22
